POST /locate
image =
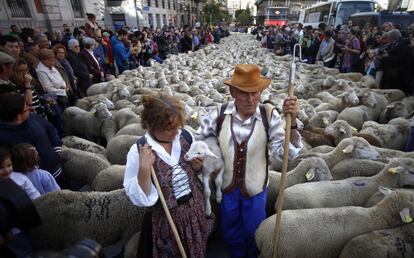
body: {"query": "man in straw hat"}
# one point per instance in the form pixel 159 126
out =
pixel 248 133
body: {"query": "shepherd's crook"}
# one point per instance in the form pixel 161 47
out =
pixel 167 213
pixel 285 153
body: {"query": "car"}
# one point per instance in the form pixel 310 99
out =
pixel 402 19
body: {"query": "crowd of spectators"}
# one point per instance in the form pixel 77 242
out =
pixel 43 73
pixel 385 53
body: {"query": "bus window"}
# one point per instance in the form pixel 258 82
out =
pixel 345 9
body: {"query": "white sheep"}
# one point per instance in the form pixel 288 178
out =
pixel 338 103
pixel 109 179
pixel 213 163
pixel 340 130
pixel 323 118
pixel 308 170
pixel 85 123
pixel 393 135
pixel 78 165
pixel 82 144
pixel 87 103
pixel 393 110
pixel 118 147
pixel 324 232
pixel 354 191
pixel 383 243
pixel 355 147
pixel 356 167
pixel 68 217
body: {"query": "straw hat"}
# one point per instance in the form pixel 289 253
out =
pixel 246 77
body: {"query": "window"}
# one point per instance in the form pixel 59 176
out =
pixel 156 3
pixel 151 20
pixel 149 2
pixel 174 5
pixel 18 8
pixel 77 8
pixel 164 20
pixel 157 16
pixel 169 4
pixel 163 4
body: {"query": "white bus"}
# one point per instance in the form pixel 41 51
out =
pixel 334 12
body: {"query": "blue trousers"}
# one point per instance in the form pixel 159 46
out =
pixel 240 217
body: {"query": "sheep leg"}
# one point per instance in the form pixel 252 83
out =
pixel 207 193
pixel 219 182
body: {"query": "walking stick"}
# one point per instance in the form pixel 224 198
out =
pixel 167 213
pixel 285 154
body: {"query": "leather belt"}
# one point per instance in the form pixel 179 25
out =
pixel 184 199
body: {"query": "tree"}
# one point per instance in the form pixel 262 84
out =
pixel 213 13
pixel 244 16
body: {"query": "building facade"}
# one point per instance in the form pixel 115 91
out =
pixel 48 15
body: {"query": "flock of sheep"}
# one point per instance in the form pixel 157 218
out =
pixel 343 196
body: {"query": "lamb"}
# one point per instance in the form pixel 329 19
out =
pixel 393 135
pixel 81 165
pixel 97 88
pixel 213 163
pixel 82 144
pixel 391 94
pixel 124 103
pixel 353 191
pixel 308 170
pixel 350 76
pixel 83 123
pixel 68 217
pixel 324 232
pixel 119 92
pixel 391 242
pixel 109 179
pixel 356 167
pixel 356 116
pixel 355 147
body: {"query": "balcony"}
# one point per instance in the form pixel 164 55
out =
pixel 114 3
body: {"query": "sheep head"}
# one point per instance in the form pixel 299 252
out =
pixel 400 202
pixel 198 149
pixel 339 130
pixel 100 110
pixel 317 169
pixel 359 148
pixel 404 168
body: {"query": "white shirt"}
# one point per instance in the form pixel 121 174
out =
pixel 51 80
pixel 180 183
pixel 24 182
pixel 242 129
pixel 93 56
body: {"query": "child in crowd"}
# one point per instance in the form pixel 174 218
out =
pixel 25 160
pixel 6 171
pixel 19 244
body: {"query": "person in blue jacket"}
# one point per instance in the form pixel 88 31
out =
pixel 121 52
pixel 18 125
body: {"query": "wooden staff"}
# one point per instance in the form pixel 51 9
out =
pixel 285 155
pixel 168 214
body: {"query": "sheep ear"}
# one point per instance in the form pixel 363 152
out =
pixel 93 110
pixel 354 129
pixel 348 149
pixel 211 154
pixel 405 215
pixel 115 89
pixel 341 130
pixel 325 121
pixel 394 170
pixel 310 175
pixel 384 190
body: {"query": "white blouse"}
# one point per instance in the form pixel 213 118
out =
pixel 180 182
